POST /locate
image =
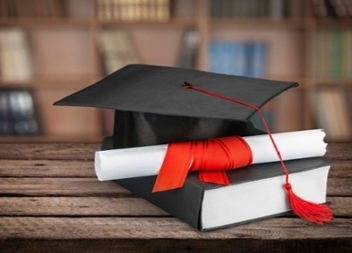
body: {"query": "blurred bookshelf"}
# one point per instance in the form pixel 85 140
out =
pixel 55 47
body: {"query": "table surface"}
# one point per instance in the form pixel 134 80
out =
pixel 51 201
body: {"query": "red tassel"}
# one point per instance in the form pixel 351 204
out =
pixel 313 212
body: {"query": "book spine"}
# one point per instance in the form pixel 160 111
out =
pixel 17 113
pixel 15 56
pixel 244 8
pixel 346 68
pixel 134 10
pixel 117 50
pixel 294 8
pixel 249 58
pixel 6 124
pixel 237 58
pixel 276 9
pixel 336 54
pixel 259 59
pixel 189 48
pixel 242 58
pixel 217 53
pixel 332 114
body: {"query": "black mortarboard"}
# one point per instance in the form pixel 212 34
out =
pixel 153 107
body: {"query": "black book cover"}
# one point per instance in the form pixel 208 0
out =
pixel 185 203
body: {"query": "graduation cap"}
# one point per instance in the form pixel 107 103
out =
pixel 152 105
pixel 157 105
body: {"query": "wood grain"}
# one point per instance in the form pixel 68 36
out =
pixel 109 206
pixel 51 201
pixel 164 227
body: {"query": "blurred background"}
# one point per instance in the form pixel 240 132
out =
pixel 52 48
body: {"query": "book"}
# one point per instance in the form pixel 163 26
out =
pixel 331 55
pixel 207 206
pixel 255 58
pixel 332 8
pixel 15 55
pixel 294 8
pixel 32 8
pixel 346 48
pixel 332 114
pixel 154 105
pixel 117 49
pixel 134 10
pixel 227 57
pixel 243 58
pixel 336 54
pixel 189 48
pixel 276 9
pixel 18 114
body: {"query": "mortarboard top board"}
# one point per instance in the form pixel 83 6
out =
pixel 152 106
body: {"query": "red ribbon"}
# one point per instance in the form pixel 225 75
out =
pixel 210 157
pixel 310 211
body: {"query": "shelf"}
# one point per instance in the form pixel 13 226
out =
pixel 284 23
pixel 51 138
pixel 345 84
pixel 67 58
pixel 333 22
pixel 52 82
pixel 172 23
pixel 89 23
pixel 48 22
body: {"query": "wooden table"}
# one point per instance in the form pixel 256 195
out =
pixel 51 201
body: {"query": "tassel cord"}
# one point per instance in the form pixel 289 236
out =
pixel 313 212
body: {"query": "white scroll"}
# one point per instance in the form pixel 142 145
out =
pixel 146 161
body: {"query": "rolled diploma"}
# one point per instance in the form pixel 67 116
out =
pixel 146 161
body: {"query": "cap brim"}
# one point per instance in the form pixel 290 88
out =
pixel 159 90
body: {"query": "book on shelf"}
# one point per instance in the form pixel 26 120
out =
pixel 134 10
pixel 189 48
pixel 333 113
pixel 117 49
pixel 332 51
pixel 15 55
pixel 18 113
pixel 332 8
pixel 243 8
pixel 32 8
pixel 227 57
pixel 243 58
pixel 336 54
pixel 294 8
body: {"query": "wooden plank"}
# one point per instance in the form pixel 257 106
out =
pixel 48 151
pixel 104 206
pixel 93 187
pixel 80 168
pixel 161 245
pixel 341 206
pixel 77 206
pixel 81 151
pixel 47 168
pixel 339 187
pixel 59 187
pixel 163 227
pixel 341 169
pixel 339 151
